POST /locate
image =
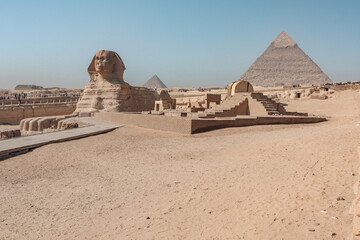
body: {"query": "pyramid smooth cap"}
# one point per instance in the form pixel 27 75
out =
pixel 283 40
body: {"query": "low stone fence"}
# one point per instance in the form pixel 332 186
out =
pixel 15 113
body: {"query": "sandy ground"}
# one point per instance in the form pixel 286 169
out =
pixel 8 127
pixel 259 182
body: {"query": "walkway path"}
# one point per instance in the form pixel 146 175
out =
pixel 14 146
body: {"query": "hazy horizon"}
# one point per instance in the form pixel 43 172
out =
pixel 187 43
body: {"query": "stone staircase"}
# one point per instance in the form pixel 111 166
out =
pixel 227 108
pixel 231 107
pixel 271 107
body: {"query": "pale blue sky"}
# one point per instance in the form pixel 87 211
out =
pixel 186 43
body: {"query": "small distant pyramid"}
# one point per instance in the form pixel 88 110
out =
pixel 284 64
pixel 154 82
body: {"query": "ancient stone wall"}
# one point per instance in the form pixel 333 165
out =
pixel 187 125
pixel 43 100
pixel 165 123
pixel 142 99
pixel 14 114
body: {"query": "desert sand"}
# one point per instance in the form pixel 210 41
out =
pixel 8 126
pixel 259 182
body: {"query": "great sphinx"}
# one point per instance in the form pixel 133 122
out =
pixel 107 90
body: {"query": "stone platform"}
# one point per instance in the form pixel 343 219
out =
pixel 15 146
pixel 186 125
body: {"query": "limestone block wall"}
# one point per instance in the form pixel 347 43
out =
pixel 14 114
pixel 165 123
pixel 241 109
pixel 143 99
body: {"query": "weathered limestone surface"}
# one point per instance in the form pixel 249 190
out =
pixel 5 134
pixel 195 125
pixel 164 94
pixel 284 64
pixel 14 114
pixel 67 124
pixel 42 123
pixel 319 96
pixel 302 93
pixel 154 82
pixel 165 104
pixel 239 86
pixel 107 90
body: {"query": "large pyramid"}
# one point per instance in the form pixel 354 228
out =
pixel 284 64
pixel 154 82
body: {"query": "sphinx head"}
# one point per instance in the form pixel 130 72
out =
pixel 104 61
pixel 108 64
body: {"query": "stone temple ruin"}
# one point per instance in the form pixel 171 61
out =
pixel 240 107
pixel 240 100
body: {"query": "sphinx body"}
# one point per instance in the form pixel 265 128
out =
pixel 107 90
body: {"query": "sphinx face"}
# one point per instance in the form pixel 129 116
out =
pixel 104 61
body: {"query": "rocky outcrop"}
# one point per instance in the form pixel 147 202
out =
pixel 41 123
pixel 5 134
pixel 67 124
